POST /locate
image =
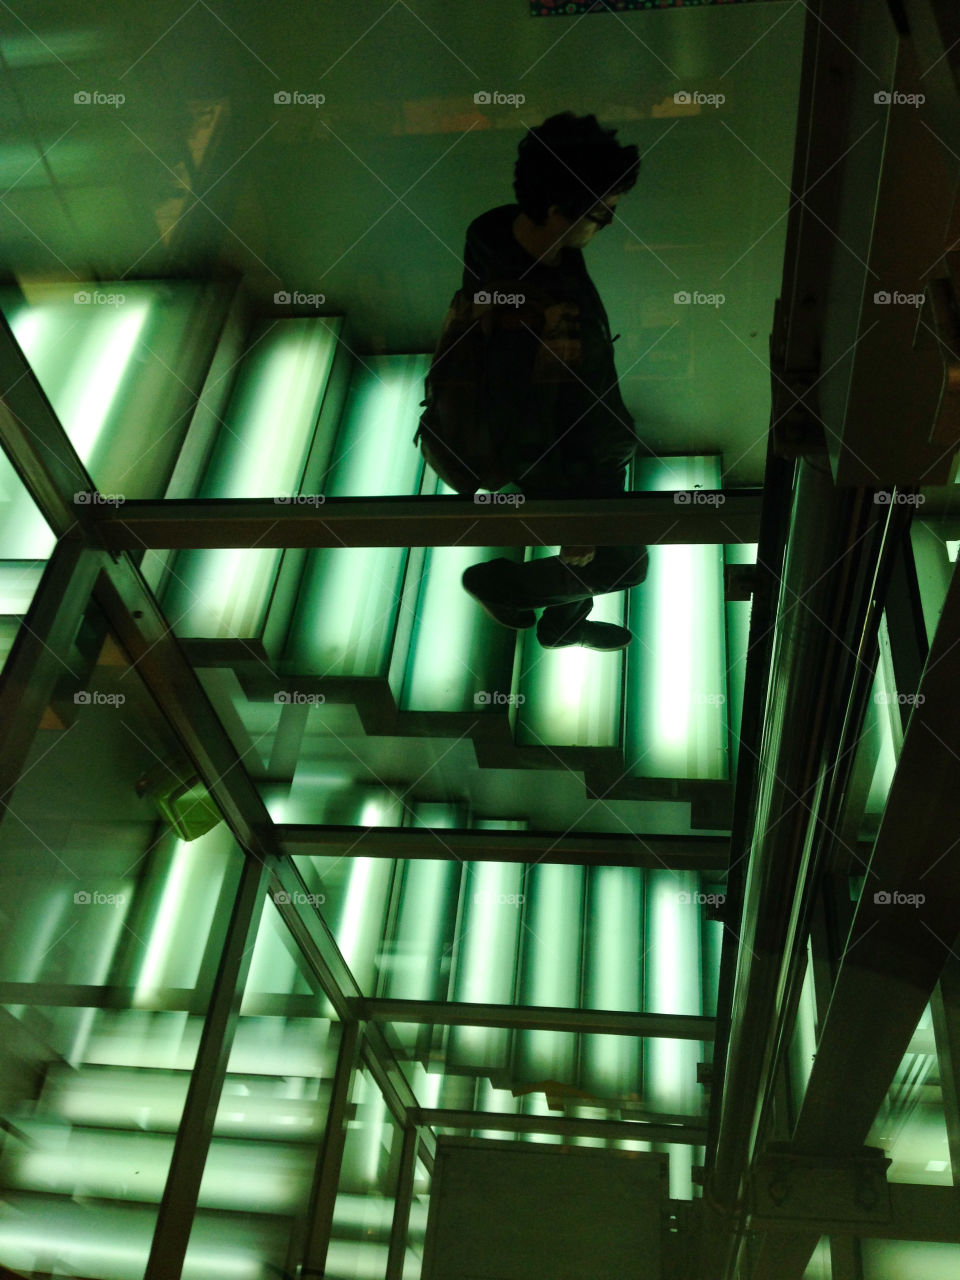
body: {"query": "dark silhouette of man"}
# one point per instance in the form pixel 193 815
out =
pixel 568 179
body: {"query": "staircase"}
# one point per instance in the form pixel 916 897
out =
pixel 345 675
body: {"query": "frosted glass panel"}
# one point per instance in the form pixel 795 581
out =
pixel 911 1126
pixel 909 1260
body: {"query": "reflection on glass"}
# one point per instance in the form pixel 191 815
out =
pixel 26 542
pixel 571 696
pixel 417 1230
pixel 363 1214
pixel 113 361
pixel 911 1125
pixel 283 377
pixel 346 614
pixel 109 925
pixel 803 1045
pixel 819 1267
pixel 675 719
pixel 907 1259
pixel 272 1115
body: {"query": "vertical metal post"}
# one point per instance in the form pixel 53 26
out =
pixel 845 1263
pixel 327 1176
pixel 945 1008
pixel 404 1199
pixel 180 1195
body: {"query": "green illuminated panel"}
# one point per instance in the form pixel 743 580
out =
pixel 121 363
pixel 226 591
pixel 673 985
pixel 571 696
pixel 908 1259
pixel 614 969
pixel 676 723
pixel 346 618
pixel 457 651
pixel 485 957
pixel 911 1125
pixel 820 1267
pixel 550 971
pixel 803 1044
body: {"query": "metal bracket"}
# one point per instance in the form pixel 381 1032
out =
pixel 788 1189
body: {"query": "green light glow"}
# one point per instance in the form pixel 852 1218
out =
pixel 226 591
pixel 282 379
pixel 152 970
pixel 673 985
pixel 611 1064
pixel 456 650
pixel 551 965
pixel 18 584
pixel 676 683
pixel 413 971
pixel 572 695
pixel 485 956
pixel 81 355
pixel 346 615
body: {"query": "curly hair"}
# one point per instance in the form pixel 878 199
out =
pixel 572 162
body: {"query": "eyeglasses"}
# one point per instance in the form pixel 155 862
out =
pixel 602 220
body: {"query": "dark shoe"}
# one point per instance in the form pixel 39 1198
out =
pixel 481 582
pixel 606 637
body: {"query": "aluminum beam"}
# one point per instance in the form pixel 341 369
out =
pixel 536 1018
pixel 693 1133
pixel 673 853
pixel 427 522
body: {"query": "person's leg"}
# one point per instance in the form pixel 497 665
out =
pixel 564 591
pixel 611 569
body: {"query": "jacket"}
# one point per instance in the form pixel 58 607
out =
pixel 585 450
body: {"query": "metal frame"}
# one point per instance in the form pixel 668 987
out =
pixel 536 1018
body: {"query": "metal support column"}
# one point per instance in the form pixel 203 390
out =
pixel 945 1008
pixel 179 1203
pixel 323 1197
pixel 404 1199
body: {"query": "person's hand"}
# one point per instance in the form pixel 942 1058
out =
pixel 577 555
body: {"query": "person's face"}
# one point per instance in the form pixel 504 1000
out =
pixel 577 234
